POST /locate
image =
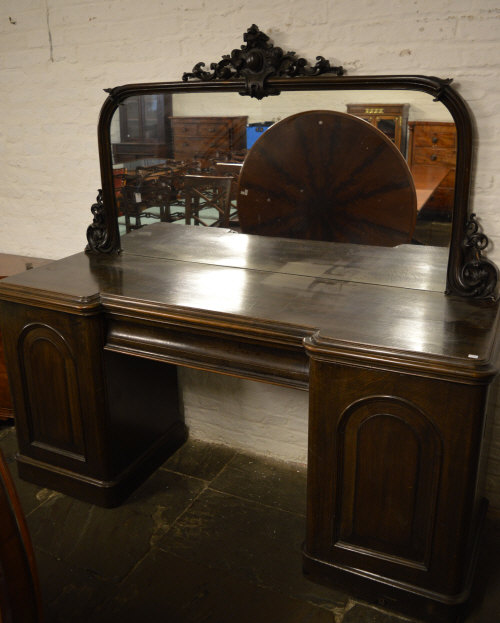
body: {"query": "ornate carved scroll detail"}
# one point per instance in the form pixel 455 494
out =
pixel 479 274
pixel 97 230
pixel 258 60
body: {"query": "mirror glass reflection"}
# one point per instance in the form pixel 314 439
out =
pixel 178 157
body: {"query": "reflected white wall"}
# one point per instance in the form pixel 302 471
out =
pixel 422 107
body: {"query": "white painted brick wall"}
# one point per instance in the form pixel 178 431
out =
pixel 56 56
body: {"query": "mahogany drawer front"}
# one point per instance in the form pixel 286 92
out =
pixel 430 155
pixel 203 129
pixel 214 129
pixel 200 145
pixel 440 136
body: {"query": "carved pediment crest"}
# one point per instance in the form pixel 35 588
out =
pixel 258 60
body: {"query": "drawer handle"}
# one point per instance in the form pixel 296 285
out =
pixel 434 157
pixel 434 139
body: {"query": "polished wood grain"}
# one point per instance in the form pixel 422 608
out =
pixel 247 295
pixel 324 175
pixel 406 266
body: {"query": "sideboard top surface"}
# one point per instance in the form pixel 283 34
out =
pixel 355 297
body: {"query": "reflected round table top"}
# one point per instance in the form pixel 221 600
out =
pixel 325 175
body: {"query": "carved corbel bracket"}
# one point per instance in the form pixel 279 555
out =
pixel 479 275
pixel 97 230
pixel 256 62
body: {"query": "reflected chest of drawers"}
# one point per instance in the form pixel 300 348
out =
pixel 434 144
pixel 203 138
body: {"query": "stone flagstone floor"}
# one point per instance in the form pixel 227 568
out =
pixel 213 536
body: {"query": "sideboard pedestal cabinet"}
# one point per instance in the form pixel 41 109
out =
pixel 393 507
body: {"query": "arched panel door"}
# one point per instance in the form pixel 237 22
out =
pixel 50 382
pixel 388 476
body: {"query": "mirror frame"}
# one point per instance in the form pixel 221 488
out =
pixel 258 69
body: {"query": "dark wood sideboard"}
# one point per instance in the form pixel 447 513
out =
pixel 398 379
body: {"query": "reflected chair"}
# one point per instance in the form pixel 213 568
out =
pixel 204 193
pixel 140 193
pixel 232 170
pixel 158 190
pixel 20 598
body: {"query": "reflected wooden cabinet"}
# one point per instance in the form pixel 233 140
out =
pixel 203 138
pixel 391 119
pixel 434 144
pixel 144 128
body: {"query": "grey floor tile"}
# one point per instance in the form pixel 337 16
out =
pixel 69 593
pixel 170 491
pixel 30 495
pixel 166 588
pixel 256 543
pixel 485 600
pixel 107 542
pixel 199 459
pixel 212 536
pixel 270 482
pixel 8 441
pixel 361 613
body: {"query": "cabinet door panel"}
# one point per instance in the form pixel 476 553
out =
pixel 392 474
pixel 388 478
pixel 42 349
